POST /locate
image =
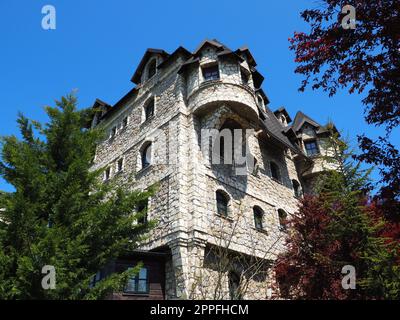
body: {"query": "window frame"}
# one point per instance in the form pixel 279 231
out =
pixel 136 280
pixel 211 76
pixel 219 197
pixel 149 105
pixel 141 206
pixel 144 162
pixel 282 219
pixel 120 165
pixel 308 142
pixel 258 213
pixel 274 167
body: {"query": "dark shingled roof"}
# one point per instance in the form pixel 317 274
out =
pixel 149 52
pixel 214 43
pixel 181 50
pixel 299 120
pixel 284 112
pixel 270 124
pixel 274 127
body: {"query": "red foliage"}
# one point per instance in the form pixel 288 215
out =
pixel 311 266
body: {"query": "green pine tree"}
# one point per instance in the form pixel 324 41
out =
pixel 356 223
pixel 61 213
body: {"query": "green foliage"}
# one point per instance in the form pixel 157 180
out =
pixel 61 212
pixel 355 222
pixel 339 226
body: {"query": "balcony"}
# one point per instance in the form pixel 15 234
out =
pixel 211 94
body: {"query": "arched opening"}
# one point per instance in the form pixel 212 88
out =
pixel 282 219
pixel 222 203
pixel 258 217
pixel 146 156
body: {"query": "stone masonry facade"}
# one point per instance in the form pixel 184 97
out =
pixel 156 137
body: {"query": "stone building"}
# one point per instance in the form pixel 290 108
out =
pixel 220 224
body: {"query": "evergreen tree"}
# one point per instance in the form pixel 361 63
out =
pixel 61 213
pixel 339 226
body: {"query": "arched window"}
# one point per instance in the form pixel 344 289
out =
pixel 275 173
pixel 152 68
pixel 149 109
pixel 146 155
pixel 258 217
pixel 296 188
pixel 282 219
pixel 222 203
pixel 234 286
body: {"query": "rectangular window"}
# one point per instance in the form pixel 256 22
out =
pixel 149 110
pixel 311 147
pixel 120 165
pixel 138 284
pixel 107 174
pixel 211 73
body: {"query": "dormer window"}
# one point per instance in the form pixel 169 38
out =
pixel 151 69
pixel 211 73
pixel 311 147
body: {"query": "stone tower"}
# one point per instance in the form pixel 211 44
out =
pixel 207 212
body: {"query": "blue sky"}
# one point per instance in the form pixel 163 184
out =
pixel 97 45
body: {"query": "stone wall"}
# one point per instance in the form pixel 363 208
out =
pixel 185 203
